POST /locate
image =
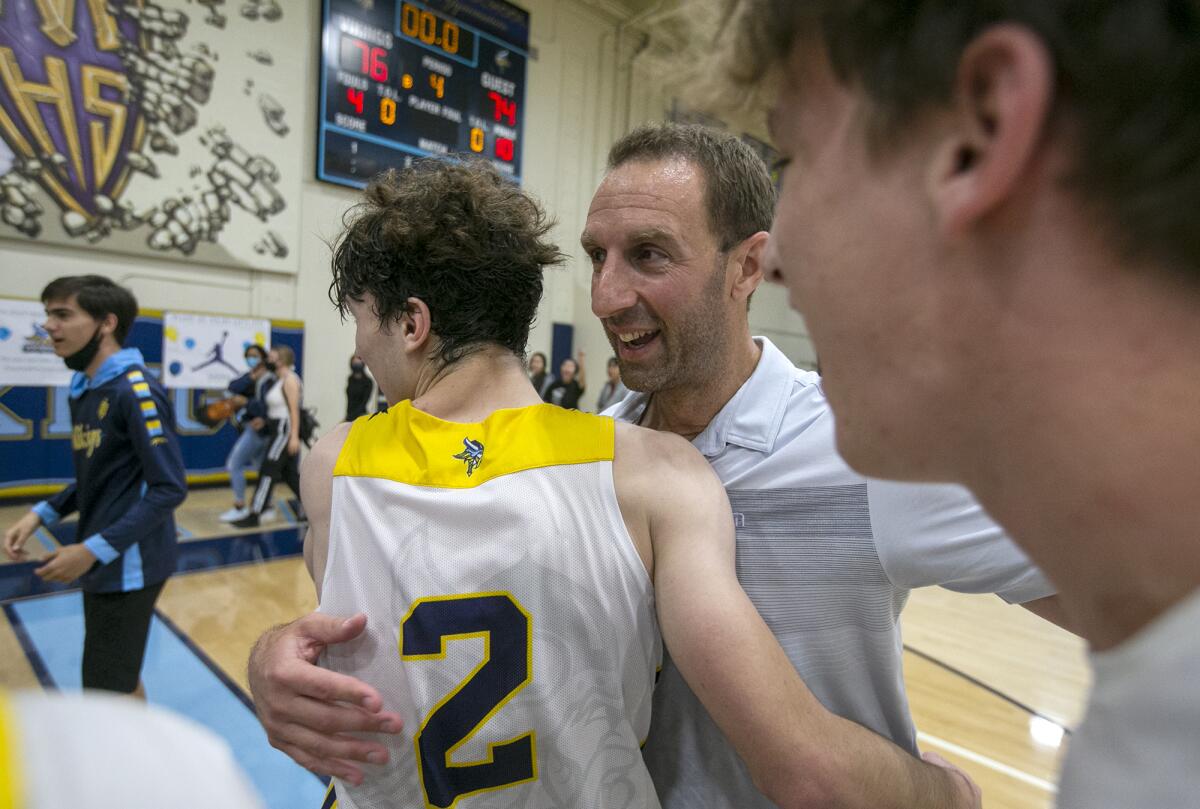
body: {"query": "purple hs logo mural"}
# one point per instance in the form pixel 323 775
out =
pixel 66 92
pixel 92 92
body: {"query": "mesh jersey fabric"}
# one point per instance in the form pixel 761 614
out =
pixel 510 619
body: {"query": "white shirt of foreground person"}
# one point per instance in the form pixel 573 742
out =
pixel 98 751
pixel 828 557
pixel 1142 717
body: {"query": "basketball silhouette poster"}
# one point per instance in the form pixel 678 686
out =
pixel 207 351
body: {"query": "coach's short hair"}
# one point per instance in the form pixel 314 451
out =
pixel 738 194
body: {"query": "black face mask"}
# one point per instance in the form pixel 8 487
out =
pixel 82 358
pixel 270 366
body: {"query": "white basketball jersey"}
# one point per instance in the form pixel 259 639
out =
pixel 510 620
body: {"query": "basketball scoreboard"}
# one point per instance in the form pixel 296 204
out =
pixel 404 79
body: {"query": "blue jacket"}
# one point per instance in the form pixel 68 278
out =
pixel 129 476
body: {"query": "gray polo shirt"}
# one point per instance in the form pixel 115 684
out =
pixel 828 557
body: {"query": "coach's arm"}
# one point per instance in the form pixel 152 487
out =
pixel 307 710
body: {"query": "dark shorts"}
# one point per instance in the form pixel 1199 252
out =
pixel 114 641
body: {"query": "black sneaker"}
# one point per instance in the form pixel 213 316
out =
pixel 249 521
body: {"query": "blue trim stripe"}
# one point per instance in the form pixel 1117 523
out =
pixel 46 512
pixel 179 677
pixel 100 548
pixel 132 575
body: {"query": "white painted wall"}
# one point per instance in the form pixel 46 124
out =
pixel 581 97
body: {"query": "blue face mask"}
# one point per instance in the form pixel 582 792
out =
pixel 251 362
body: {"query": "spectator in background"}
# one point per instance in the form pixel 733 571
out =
pixel 569 386
pixel 284 400
pixel 247 392
pixel 358 389
pixel 537 374
pixel 614 389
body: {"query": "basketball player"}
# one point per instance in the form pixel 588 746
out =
pixel 519 642
pixel 989 222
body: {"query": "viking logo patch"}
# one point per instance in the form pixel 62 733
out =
pixel 472 453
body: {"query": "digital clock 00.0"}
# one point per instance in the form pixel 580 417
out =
pixel 402 79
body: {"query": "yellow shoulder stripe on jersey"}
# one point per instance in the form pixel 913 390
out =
pixel 10 786
pixel 409 446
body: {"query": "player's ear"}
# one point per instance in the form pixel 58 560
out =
pixel 1001 103
pixel 108 325
pixel 415 325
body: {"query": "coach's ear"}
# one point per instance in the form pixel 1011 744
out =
pixel 746 262
pixel 1002 97
pixel 415 327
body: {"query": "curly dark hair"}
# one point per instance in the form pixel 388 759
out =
pixel 458 236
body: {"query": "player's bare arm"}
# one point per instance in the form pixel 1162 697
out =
pixel 799 754
pixel 307 710
pixel 316 492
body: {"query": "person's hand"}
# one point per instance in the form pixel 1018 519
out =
pixel 293 445
pixel 307 711
pixel 257 423
pixel 579 357
pixel 970 794
pixel 66 564
pixel 18 534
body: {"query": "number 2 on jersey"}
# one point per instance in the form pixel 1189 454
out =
pixel 503 624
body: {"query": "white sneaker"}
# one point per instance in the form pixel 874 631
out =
pixel 233 514
pixel 268 515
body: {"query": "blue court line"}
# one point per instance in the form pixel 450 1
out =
pixel 176 678
pixel 31 653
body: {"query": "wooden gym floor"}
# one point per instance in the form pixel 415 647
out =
pixel 992 687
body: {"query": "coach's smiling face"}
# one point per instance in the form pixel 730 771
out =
pixel 661 285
